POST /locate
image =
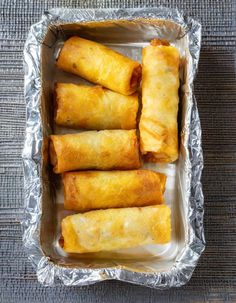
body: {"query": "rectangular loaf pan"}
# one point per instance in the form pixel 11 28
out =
pixel 125 30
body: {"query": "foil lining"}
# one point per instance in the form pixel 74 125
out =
pixel 51 271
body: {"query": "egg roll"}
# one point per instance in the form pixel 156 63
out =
pixel 100 64
pixel 116 228
pixel 160 82
pixel 89 190
pixel 94 107
pixel 104 150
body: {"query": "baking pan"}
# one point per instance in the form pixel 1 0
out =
pixel 127 31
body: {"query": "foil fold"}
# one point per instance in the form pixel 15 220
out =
pixel 191 161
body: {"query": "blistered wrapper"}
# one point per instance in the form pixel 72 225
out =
pixel 127 31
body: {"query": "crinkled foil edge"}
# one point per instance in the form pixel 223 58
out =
pixel 47 272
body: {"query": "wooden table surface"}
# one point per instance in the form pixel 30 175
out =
pixel 214 279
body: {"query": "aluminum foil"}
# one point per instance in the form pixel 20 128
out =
pixel 38 223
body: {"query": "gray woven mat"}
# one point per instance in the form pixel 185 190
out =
pixel 215 87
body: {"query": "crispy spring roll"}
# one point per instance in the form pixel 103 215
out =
pixel 94 107
pixel 104 150
pixel 110 229
pixel 160 83
pixel 100 64
pixel 89 190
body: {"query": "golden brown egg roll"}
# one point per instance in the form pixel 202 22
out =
pixel 94 107
pixel 160 83
pixel 104 150
pixel 100 64
pixel 89 190
pixel 116 228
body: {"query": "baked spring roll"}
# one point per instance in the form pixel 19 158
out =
pixel 104 150
pixel 100 64
pixel 160 83
pixel 94 107
pixel 110 229
pixel 89 190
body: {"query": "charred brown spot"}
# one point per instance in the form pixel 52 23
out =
pixel 74 65
pixel 156 42
pixel 61 241
pixel 136 77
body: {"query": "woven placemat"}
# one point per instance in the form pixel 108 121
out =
pixel 215 88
